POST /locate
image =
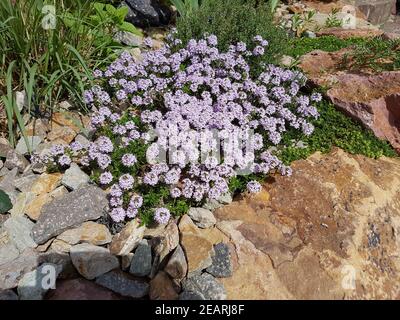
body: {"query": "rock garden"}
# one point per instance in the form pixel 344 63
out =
pixel 199 150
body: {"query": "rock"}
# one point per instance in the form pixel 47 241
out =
pixel 212 204
pixel 92 261
pixel 191 295
pixel 141 261
pixel 37 127
pixel 15 160
pixel 198 249
pixel 69 211
pixel 162 288
pixel 35 284
pixel 64 126
pixel 221 262
pixel 60 246
pixel 8 253
pixel 287 61
pixel 145 13
pixel 7 184
pixel 90 232
pixel 1 164
pixel 82 140
pixel 46 183
pixel 349 33
pixel 8 295
pixel 391 36
pixel 19 229
pixel 74 177
pixel 34 209
pixel 376 11
pixel 4 149
pixel 123 284
pixel 126 261
pixel 21 202
pixel 203 218
pixel 80 289
pixel 309 34
pixel 167 241
pixel 128 239
pixel 33 142
pixel 12 271
pixel 206 285
pixel 128 38
pixel 177 266
pixel 24 184
pixel 371 100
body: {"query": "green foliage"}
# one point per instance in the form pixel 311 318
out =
pixel 333 128
pixel 185 7
pixel 377 54
pixel 333 21
pixel 53 64
pixel 5 202
pixel 300 46
pixel 233 21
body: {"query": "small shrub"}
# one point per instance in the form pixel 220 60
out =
pixel 177 100
pixel 233 21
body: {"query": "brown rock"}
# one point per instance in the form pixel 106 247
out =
pixel 162 288
pixel 80 289
pixel 376 11
pixel 177 265
pixel 349 33
pixel 46 183
pixel 64 126
pixel 167 241
pixel 34 207
pixel 90 232
pixel 128 239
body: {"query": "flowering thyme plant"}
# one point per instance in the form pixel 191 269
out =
pixel 187 113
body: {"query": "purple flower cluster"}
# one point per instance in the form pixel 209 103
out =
pixel 204 120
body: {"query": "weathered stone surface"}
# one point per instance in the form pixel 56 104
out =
pixel 24 184
pixel 123 284
pixel 221 263
pixel 8 295
pixel 8 252
pixel 12 271
pixel 7 184
pixel 60 246
pixel 19 230
pixel 177 266
pixel 74 177
pixel 349 33
pixel 167 241
pixel 37 127
pixel 337 215
pixel 141 261
pixel 373 100
pixel 64 128
pixel 203 218
pixel 162 288
pixel 205 284
pixel 145 13
pixel 69 211
pixel 128 38
pixel 128 239
pixel 46 183
pixel 4 149
pixel 376 11
pixel 33 142
pixel 15 160
pixel 80 289
pixel 30 286
pixel 191 295
pixel 198 249
pixel 90 232
pixel 21 202
pixel 92 261
pixel 212 204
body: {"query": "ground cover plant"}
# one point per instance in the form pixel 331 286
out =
pixel 176 100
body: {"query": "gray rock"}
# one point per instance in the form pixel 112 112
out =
pixel 34 285
pixel 128 39
pixel 212 204
pixel 8 253
pixel 177 266
pixel 145 13
pixel 205 284
pixel 33 142
pixel 69 211
pixel 15 160
pixel 4 149
pixel 1 164
pixel 82 140
pixel 141 261
pixel 191 295
pixel 25 183
pixel 11 272
pixel 309 34
pixel 203 218
pixel 74 177
pixel 221 262
pixel 92 261
pixel 124 285
pixel 19 230
pixel 8 295
pixel 7 184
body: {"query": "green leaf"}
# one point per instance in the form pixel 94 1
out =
pixel 5 202
pixel 110 9
pixel 126 26
pixel 121 13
